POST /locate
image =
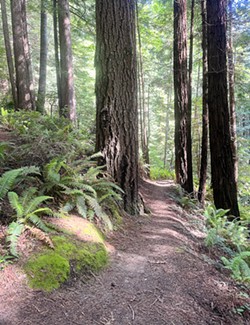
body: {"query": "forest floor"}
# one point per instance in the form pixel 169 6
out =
pixel 159 273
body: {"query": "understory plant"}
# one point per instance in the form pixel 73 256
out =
pixel 27 213
pixel 233 238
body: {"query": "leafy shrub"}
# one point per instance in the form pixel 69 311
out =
pixel 239 266
pixel 157 173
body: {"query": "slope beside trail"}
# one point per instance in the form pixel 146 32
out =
pixel 157 275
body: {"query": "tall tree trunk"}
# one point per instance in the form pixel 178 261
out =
pixel 9 53
pixel 25 98
pixel 57 60
pixel 116 95
pixel 189 112
pixel 68 103
pixel 204 145
pixel 183 169
pixel 232 107
pixel 167 128
pixel 144 115
pixel 43 58
pixel 222 164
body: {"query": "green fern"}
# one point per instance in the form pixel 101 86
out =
pixel 15 229
pixel 27 210
pixel 239 266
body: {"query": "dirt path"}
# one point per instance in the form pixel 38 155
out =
pixel 157 276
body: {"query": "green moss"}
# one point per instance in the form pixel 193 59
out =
pixel 51 268
pixel 47 271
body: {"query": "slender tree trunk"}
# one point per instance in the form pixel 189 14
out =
pixel 57 60
pixel 189 112
pixel 43 58
pixel 25 99
pixel 204 145
pixel 68 103
pixel 183 169
pixel 222 164
pixel 231 88
pixel 167 129
pixel 9 53
pixel 116 95
pixel 144 123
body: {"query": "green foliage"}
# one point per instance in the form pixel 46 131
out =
pixel 50 269
pixel 28 210
pixel 81 188
pixel 239 266
pixel 157 173
pixel 10 178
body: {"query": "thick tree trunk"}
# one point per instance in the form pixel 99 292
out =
pixel 68 103
pixel 25 98
pixel 116 95
pixel 232 107
pixel 204 145
pixel 43 58
pixel 183 168
pixel 9 53
pixel 222 165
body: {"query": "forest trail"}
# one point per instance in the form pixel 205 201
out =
pixel 157 276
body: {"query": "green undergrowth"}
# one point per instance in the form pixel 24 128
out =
pixel 50 268
pixel 158 173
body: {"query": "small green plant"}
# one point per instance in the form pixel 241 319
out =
pixel 239 266
pixel 27 212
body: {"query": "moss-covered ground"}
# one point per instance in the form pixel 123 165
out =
pixel 50 268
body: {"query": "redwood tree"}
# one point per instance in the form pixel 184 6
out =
pixel 24 83
pixel 222 163
pixel 183 155
pixel 116 94
pixel 8 52
pixel 43 58
pixel 67 90
pixel 204 144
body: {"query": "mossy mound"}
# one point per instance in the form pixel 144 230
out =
pixel 49 269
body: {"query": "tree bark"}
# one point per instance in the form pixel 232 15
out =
pixel 68 103
pixel 116 95
pixel 232 107
pixel 204 145
pixel 9 53
pixel 222 165
pixel 57 60
pixel 143 107
pixel 43 58
pixel 183 169
pixel 24 85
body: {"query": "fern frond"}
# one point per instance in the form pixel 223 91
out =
pixel 33 218
pixel 15 229
pixel 16 204
pixel 33 204
pixel 7 181
pixel 81 206
pixel 40 235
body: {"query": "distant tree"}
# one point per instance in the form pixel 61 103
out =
pixel 9 52
pixel 116 95
pixel 24 82
pixel 43 58
pixel 67 90
pixel 232 107
pixel 183 158
pixel 222 163
pixel 204 141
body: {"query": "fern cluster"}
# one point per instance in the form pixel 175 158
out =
pixel 233 238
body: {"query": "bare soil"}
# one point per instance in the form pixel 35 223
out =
pixel 158 274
